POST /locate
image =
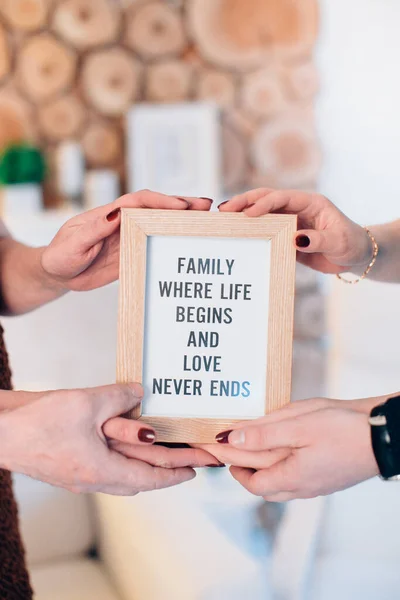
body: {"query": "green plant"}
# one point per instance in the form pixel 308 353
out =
pixel 22 163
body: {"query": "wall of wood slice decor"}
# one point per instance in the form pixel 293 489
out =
pixel 69 69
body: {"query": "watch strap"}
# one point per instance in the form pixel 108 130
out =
pixel 385 437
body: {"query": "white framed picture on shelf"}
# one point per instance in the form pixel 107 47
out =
pixel 102 186
pixel 175 149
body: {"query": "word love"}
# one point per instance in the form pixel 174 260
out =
pixel 202 363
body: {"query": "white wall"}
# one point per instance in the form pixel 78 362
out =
pixel 359 107
pixel 359 122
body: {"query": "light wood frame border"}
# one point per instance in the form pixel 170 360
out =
pixel 136 226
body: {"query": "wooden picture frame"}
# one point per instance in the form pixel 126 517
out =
pixel 158 240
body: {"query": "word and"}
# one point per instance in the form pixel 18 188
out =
pixel 203 339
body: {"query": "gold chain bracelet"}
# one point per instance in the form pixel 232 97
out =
pixel 371 264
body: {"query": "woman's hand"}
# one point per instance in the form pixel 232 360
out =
pixel 67 438
pixel 134 439
pixel 326 239
pixel 84 254
pixel 310 448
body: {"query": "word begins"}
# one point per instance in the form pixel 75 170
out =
pixel 200 314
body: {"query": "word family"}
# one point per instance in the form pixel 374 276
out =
pixel 205 266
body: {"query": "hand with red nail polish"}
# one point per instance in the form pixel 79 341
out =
pixel 326 240
pixel 161 456
pixel 309 448
pixel 133 439
pixel 72 439
pixel 84 254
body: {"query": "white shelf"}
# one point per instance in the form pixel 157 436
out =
pixel 39 229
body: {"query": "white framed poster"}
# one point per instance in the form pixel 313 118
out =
pixel 175 149
pixel 206 318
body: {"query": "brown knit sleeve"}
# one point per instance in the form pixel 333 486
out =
pixel 14 578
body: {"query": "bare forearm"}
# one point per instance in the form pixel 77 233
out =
pixel 367 404
pixel 10 400
pixel 12 438
pixel 387 266
pixel 24 284
pixel 6 450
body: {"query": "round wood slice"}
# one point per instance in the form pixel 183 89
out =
pixel 62 118
pixel 286 152
pixel 4 54
pixel 294 27
pixel 168 81
pixel 102 144
pixel 132 4
pixel 234 160
pixel 241 121
pixel 242 35
pixel 45 67
pixel 110 80
pixel 15 118
pixel 87 23
pixel 302 81
pixel 192 57
pixel 216 86
pixel 262 94
pixel 25 15
pixel 155 30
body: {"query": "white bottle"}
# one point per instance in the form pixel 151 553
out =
pixel 102 187
pixel 70 167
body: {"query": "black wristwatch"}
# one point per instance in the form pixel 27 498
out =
pixel 385 435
